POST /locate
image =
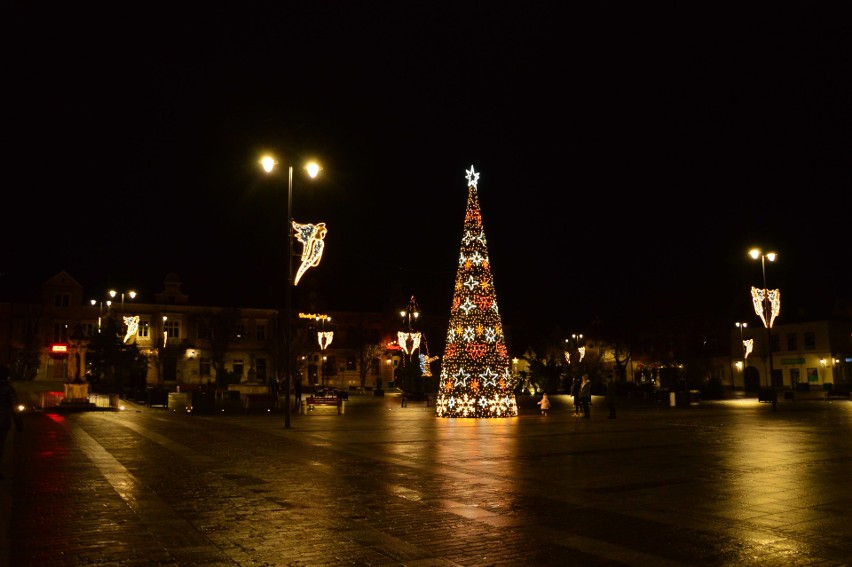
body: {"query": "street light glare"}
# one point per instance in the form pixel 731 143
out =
pixel 268 163
pixel 771 256
pixel 313 169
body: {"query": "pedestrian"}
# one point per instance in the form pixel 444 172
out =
pixel 585 395
pixel 575 393
pixel 544 402
pixel 609 396
pixel 8 409
pixel 298 392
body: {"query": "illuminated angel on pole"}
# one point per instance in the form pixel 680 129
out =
pixel 311 236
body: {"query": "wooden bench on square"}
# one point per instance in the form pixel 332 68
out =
pixel 312 402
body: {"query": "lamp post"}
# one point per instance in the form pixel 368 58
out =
pixel 269 163
pixel 100 305
pixel 756 253
pixel 742 325
pixel 324 338
pixel 113 293
pixel 409 341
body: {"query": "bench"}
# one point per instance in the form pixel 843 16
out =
pixel 312 402
pixel 838 393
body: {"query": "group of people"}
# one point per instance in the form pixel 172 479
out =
pixel 581 391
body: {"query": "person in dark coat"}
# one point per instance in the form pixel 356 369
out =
pixel 8 409
pixel 585 395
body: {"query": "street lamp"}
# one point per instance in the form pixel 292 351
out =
pixel 767 304
pixel 409 341
pixel 100 305
pixel 742 325
pixel 269 163
pixel 113 293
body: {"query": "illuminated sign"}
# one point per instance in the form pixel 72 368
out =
pixel 59 348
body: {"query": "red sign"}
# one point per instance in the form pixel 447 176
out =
pixel 59 348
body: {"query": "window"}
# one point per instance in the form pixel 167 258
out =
pixel 330 366
pixel 776 343
pixel 810 340
pixel 350 363
pixel 260 368
pixel 794 376
pixel 172 328
pixel 91 329
pixel 144 329
pixel 204 367
pixel 260 330
pixel 792 343
pixel 61 300
pixel 240 331
pixel 60 332
pixel 239 368
pixel 204 330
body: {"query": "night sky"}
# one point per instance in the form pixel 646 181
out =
pixel 627 164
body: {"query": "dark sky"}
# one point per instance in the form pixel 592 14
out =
pixel 627 163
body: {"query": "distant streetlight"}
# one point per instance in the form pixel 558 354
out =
pixel 100 305
pixel 324 338
pixel 742 325
pixel 269 163
pixel 409 341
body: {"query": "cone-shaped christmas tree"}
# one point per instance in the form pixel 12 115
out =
pixel 476 380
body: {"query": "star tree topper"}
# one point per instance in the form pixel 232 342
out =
pixel 472 177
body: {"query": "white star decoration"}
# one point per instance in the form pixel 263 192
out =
pixel 472 177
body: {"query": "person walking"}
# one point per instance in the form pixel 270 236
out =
pixel 585 395
pixel 544 402
pixel 575 393
pixel 8 409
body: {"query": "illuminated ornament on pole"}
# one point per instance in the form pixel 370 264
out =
pixel 759 296
pixel 405 338
pixel 749 346
pixel 311 236
pixel 132 326
pixel 568 357
pixel 325 338
pixel 425 361
pixel 582 351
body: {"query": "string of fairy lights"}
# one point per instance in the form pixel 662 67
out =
pixel 476 380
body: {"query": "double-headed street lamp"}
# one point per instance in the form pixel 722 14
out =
pixel 269 163
pixel 767 303
pixel 100 305
pixel 131 294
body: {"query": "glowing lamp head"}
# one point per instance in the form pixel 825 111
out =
pixel 268 163
pixel 313 169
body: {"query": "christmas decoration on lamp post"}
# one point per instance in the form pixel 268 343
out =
pixel 475 379
pixel 409 342
pixel 311 237
pixel 324 338
pixel 767 304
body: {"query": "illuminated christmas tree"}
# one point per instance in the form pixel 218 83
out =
pixel 476 380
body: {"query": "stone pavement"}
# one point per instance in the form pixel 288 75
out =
pixel 720 483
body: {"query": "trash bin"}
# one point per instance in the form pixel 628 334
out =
pixel 694 397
